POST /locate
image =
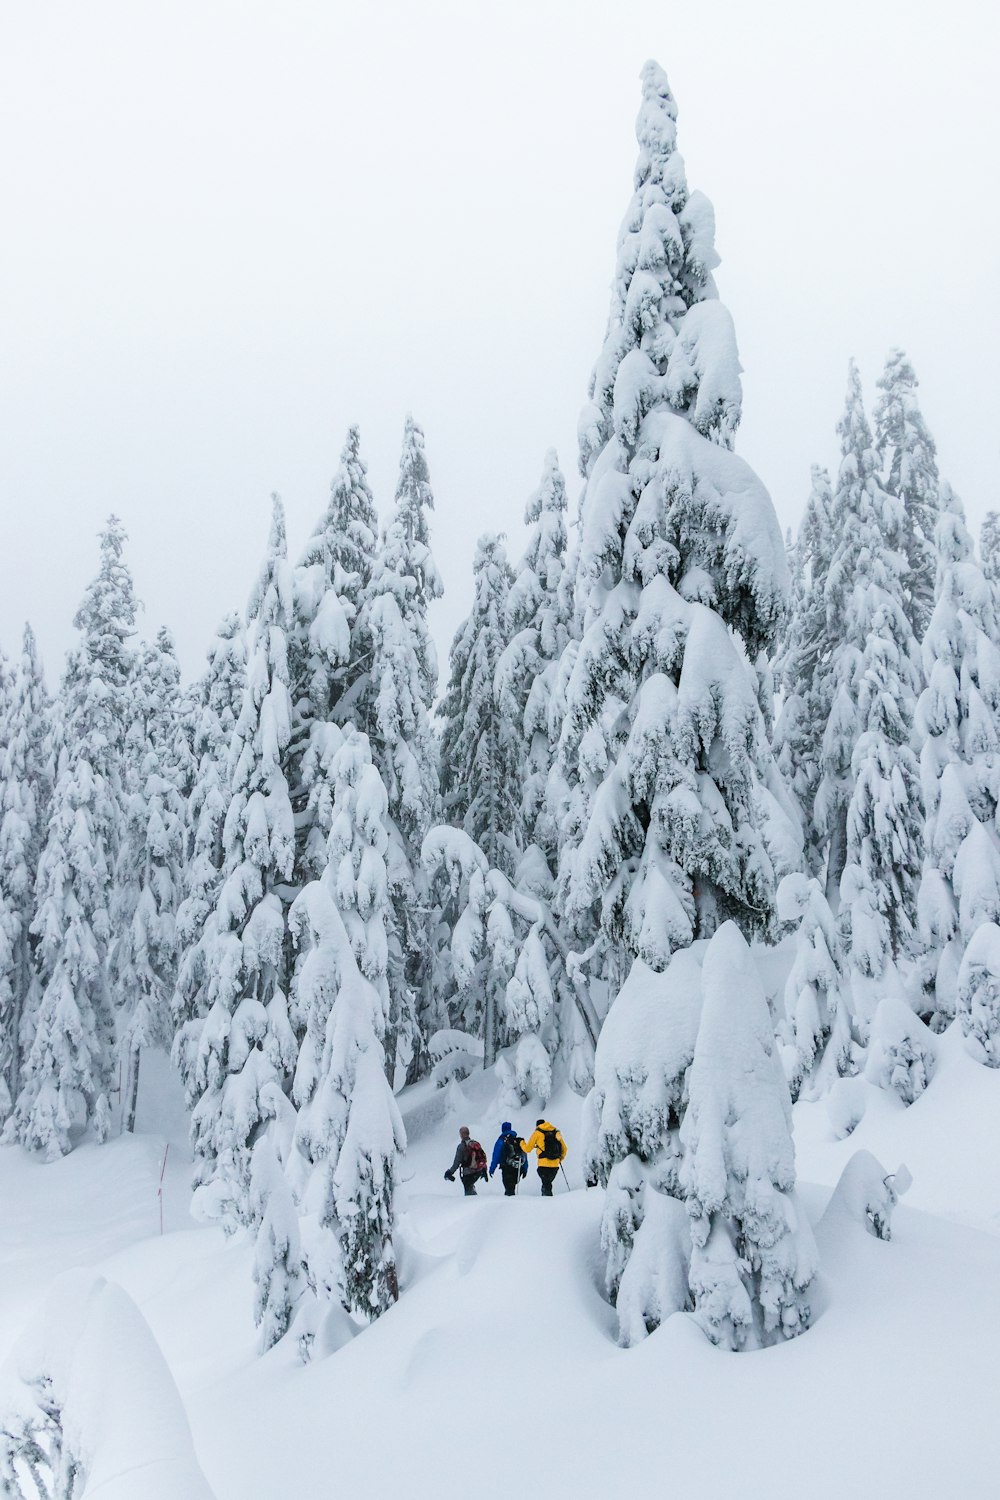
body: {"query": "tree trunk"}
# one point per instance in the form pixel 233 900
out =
pixel 836 858
pixel 131 1099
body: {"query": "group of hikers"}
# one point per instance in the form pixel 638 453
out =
pixel 510 1158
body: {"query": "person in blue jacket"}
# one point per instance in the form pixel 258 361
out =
pixel 508 1156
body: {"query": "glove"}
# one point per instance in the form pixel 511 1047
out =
pixel 449 1177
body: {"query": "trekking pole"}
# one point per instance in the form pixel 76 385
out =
pixel 565 1178
pixel 159 1190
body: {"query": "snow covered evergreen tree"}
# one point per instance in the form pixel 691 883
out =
pixel 25 791
pixel 277 1268
pixel 537 626
pixel 680 555
pixel 802 666
pixel 818 1027
pixel 753 1256
pixel 247 1049
pixel 868 799
pixel 66 1077
pixel 989 546
pixel 394 712
pixel 143 956
pixel 908 471
pixel 406 551
pixel 327 653
pixel 349 1132
pixel 220 700
pixel 978 997
pixel 480 784
pixel 957 720
pixel 357 854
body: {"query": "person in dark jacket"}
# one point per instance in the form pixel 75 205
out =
pixel 465 1163
pixel 508 1156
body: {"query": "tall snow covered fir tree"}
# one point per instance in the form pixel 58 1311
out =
pixel 349 1133
pixel 247 1049
pixel 957 721
pixel 479 768
pixel 868 801
pixel 480 789
pixel 802 667
pixel 394 712
pixel 681 582
pixel 680 555
pixel 143 955
pixel 328 656
pixel 67 1072
pixel 25 790
pixel 219 702
pixel 537 622
pixel 908 471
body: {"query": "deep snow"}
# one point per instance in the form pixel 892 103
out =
pixel 498 1372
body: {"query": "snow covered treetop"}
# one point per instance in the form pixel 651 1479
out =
pixel 656 124
pixel 664 495
pixel 666 253
pixel 107 612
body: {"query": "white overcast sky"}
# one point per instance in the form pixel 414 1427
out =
pixel 229 230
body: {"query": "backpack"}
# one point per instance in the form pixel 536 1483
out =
pixel 477 1157
pixel 511 1159
pixel 551 1147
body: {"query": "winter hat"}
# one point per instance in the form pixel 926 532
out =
pixel 506 1128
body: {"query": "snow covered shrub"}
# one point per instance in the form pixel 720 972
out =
pixel 845 1106
pixel 867 1194
pixel 901 1051
pixel 979 994
pixel 753 1255
pixel 454 1055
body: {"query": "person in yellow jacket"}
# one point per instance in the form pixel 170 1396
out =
pixel 551 1149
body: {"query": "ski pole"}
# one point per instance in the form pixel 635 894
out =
pixel 565 1178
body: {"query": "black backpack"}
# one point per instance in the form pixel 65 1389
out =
pixel 551 1147
pixel 510 1153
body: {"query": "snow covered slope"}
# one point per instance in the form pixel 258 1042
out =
pixel 498 1373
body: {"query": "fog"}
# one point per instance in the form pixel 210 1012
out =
pixel 231 230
